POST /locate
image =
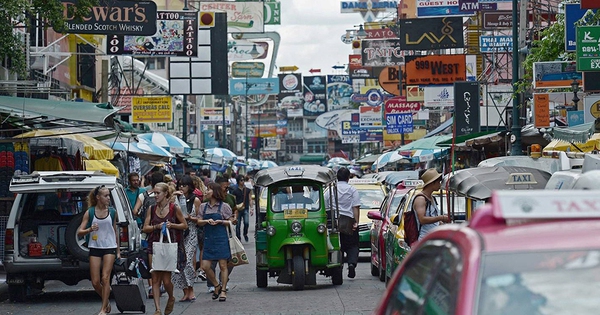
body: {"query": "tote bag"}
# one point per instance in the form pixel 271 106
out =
pixel 164 255
pixel 238 253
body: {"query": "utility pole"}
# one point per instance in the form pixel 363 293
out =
pixel 184 100
pixel 515 136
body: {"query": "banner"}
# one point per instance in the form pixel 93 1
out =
pixel 151 109
pixel 435 69
pixel 242 17
pixel 176 35
pixel 431 33
pixel 315 95
pixel 466 108
pixel 339 91
pixel 382 53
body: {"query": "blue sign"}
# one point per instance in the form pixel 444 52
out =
pixel 372 136
pixel 350 128
pixel 255 86
pixel 399 123
pixel 281 123
pixel 209 139
pixel 498 43
pixel 573 13
pixel 575 118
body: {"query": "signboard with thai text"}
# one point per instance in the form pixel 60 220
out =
pixel 588 48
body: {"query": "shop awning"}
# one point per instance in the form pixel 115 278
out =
pixel 101 165
pixel 558 145
pixel 93 148
pixel 464 139
pixel 425 143
pixel 313 158
pixel 78 111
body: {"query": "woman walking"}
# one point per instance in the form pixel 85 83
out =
pixel 215 215
pixel 185 279
pixel 166 213
pixel 99 224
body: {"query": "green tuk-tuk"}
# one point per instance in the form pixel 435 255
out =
pixel 296 226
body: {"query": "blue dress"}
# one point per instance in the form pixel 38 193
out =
pixel 216 239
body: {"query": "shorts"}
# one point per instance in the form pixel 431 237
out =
pixel 100 252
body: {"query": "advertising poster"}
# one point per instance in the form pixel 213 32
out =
pixel 242 17
pixel 555 74
pixel 438 96
pixel 466 107
pixel 151 109
pixel 290 91
pixel 382 53
pixel 431 33
pixel 315 95
pixel 176 35
pixel 339 91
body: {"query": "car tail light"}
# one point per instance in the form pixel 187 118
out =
pixel 124 235
pixel 9 239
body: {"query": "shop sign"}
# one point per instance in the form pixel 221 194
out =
pixel 370 116
pixel 382 53
pixel 495 44
pixel 588 48
pixel 541 110
pixel 242 17
pixel 214 116
pixel 554 74
pixel 151 109
pixel 497 20
pixel 435 69
pixel 439 96
pixel 431 33
pixel 466 107
pixel 398 105
pixel 247 69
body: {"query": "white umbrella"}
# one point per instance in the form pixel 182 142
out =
pixel 224 153
pixel 388 157
pixel 267 164
pixel 339 160
pixel 138 147
pixel 167 141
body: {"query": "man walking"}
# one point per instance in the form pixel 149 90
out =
pixel 134 190
pixel 425 206
pixel 349 206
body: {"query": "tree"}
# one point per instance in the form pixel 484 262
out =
pixel 15 17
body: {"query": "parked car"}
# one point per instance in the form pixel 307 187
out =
pixel 41 241
pixel 381 222
pixel 524 252
pixel 372 193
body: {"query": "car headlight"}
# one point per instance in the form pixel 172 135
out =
pixel 296 227
pixel 321 228
pixel 271 230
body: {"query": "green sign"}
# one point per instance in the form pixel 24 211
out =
pixel 588 48
pixel 272 13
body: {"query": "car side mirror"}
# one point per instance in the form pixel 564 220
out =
pixel 374 215
pixel 395 219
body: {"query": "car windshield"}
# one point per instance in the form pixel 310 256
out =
pixel 544 283
pixel 295 197
pixel 370 198
pixel 395 203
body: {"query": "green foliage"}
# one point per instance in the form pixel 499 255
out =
pixel 550 46
pixel 14 22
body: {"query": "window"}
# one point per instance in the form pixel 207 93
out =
pixel 429 283
pixel 156 63
pixel 317 146
pixel 293 146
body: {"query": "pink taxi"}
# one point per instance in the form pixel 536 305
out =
pixel 525 252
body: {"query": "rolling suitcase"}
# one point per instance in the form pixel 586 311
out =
pixel 129 293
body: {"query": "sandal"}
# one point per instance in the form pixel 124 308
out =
pixel 108 309
pixel 223 298
pixel 169 307
pixel 216 293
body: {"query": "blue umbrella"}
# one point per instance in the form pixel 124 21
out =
pixel 221 152
pixel 138 147
pixel 388 157
pixel 167 141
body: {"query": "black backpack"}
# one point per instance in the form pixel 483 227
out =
pixel 149 201
pixel 412 228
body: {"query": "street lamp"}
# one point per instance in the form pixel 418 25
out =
pixel 575 87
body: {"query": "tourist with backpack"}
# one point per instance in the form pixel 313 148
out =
pixel 424 206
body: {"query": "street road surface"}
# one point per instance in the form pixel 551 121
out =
pixel 355 296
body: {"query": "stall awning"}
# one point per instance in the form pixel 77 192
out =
pixel 101 165
pixel 425 143
pixel 78 111
pixel 313 158
pixel 558 145
pixel 463 140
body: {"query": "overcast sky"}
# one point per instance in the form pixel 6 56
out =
pixel 310 35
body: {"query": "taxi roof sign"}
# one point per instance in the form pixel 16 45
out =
pixel 295 171
pixel 366 181
pixel 412 182
pixel 545 204
pixel 521 179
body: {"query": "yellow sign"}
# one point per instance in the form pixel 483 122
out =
pixel 151 109
pixel 295 214
pixel 288 68
pixel 595 109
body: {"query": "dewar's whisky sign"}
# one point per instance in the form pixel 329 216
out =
pixel 112 17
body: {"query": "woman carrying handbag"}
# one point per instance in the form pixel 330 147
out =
pixel 164 216
pixel 215 215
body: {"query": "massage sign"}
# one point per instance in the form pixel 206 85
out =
pixel 435 69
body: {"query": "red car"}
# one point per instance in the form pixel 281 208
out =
pixel 381 221
pixel 525 252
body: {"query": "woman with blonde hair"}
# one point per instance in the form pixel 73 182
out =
pixel 99 224
pixel 169 214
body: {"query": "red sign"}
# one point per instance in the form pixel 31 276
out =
pixel 590 4
pixel 354 61
pixel 380 33
pixel 398 105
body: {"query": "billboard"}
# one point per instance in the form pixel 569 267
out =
pixel 256 86
pixel 434 8
pixel 431 33
pixel 435 69
pixel 113 17
pixel 466 107
pixel 495 43
pixel 382 53
pixel 588 48
pixel 315 95
pixel 573 13
pixel 554 74
pixel 176 35
pixel 151 109
pixel 339 91
pixel 242 17
pixel 438 96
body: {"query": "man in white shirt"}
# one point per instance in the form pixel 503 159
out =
pixel 349 205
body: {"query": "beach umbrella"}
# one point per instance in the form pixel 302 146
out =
pixel 143 147
pixel 388 157
pixel 221 152
pixel 339 160
pixel 166 141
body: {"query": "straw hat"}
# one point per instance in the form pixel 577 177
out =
pixel 431 175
